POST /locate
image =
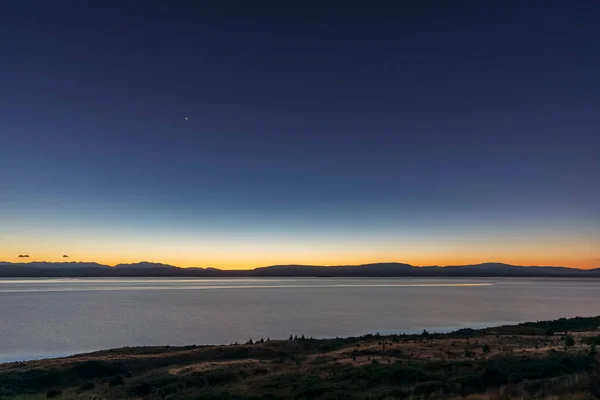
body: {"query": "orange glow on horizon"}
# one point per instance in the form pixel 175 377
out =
pixel 241 252
pixel 251 264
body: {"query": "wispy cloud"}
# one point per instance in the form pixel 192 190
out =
pixel 23 255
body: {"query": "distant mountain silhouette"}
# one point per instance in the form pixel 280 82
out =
pixel 144 265
pixel 54 265
pixel 392 269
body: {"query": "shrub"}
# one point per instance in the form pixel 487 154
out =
pixel 53 393
pixel 595 381
pixel 97 369
pixel 569 341
pixel 143 389
pixel 493 377
pixel 312 392
pixel 87 386
pixel 591 340
pixel 115 381
pixel 486 348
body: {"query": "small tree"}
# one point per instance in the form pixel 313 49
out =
pixel 291 337
pixel 569 341
pixel 486 348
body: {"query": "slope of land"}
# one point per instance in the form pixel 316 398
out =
pixel 534 360
pixel 148 269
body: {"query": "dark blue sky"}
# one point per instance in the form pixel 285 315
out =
pixel 435 132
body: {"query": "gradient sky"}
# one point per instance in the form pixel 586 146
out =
pixel 430 132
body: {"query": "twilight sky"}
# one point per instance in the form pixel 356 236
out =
pixel 237 135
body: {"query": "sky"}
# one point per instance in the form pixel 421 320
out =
pixel 242 134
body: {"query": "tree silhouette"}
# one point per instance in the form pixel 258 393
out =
pixel 569 341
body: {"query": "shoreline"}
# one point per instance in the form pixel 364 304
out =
pixel 38 356
pixel 526 358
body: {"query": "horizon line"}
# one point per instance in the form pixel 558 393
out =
pixel 291 264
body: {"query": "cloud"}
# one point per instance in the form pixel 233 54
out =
pixel 23 255
pixel 65 256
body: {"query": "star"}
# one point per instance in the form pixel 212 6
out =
pixel 186 118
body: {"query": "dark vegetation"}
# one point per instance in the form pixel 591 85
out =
pixel 521 361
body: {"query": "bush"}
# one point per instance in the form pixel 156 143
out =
pixel 115 381
pixel 87 386
pixel 591 340
pixel 143 389
pixel 53 393
pixel 312 392
pixel 595 381
pixel 486 348
pixel 569 341
pixel 220 376
pixel 493 377
pixel 97 369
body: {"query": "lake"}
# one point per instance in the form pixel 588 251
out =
pixel 54 317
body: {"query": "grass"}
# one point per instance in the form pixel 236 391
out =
pixel 511 362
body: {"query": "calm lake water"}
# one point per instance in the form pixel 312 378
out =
pixel 54 317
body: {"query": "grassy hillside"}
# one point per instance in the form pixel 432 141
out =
pixel 549 359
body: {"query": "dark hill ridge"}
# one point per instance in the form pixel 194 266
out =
pixel 391 269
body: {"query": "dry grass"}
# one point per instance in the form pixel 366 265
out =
pixel 452 366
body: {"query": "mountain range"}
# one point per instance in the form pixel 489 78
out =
pixel 392 269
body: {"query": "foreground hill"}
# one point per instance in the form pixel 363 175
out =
pixel 529 360
pixel 79 269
